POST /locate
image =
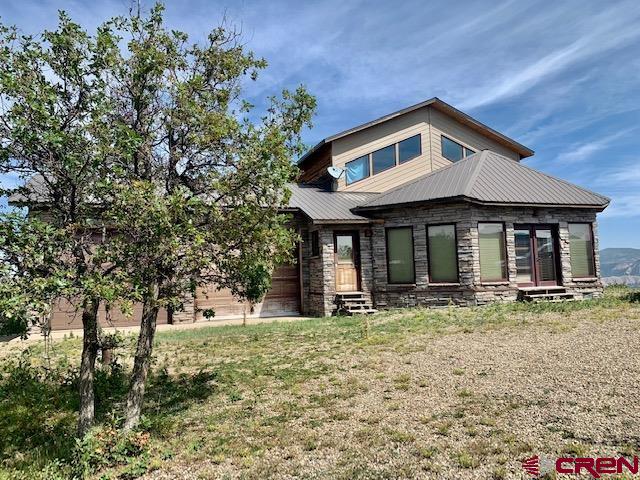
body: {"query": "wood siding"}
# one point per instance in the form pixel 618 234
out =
pixel 65 315
pixel 431 124
pixel 316 169
pixel 282 299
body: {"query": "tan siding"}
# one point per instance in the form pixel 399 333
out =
pixel 442 124
pixel 428 122
pixel 382 135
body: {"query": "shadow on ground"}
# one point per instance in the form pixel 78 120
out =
pixel 38 407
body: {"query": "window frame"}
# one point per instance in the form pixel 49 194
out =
pixel 455 239
pixel 505 252
pixel 593 250
pixel 462 146
pixel 413 254
pixel 315 243
pixel 368 156
pixel 402 162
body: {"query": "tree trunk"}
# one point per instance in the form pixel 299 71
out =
pixel 90 347
pixel 142 359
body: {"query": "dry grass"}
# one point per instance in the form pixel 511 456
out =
pixel 460 393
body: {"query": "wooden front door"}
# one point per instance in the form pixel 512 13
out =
pixel 347 261
pixel 536 255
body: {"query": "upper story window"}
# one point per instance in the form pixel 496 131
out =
pixel 383 159
pixel 453 150
pixel 409 148
pixel 357 169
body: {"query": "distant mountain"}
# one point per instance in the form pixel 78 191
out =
pixel 620 261
pixel 620 265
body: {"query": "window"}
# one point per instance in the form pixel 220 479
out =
pixel 383 159
pixel 493 263
pixel 581 250
pixel 409 148
pixel 315 243
pixel 453 150
pixel 442 250
pixel 400 268
pixel 357 169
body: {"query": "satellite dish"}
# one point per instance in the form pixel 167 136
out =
pixel 335 172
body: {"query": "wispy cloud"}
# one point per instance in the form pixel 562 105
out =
pixel 583 151
pixel 553 75
pixel 623 206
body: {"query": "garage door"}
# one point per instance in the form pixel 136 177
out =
pixel 65 316
pixel 281 300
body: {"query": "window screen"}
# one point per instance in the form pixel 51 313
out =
pixel 493 265
pixel 581 250
pixel 443 262
pixel 400 255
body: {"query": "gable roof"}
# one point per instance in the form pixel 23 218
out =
pixel 444 107
pixel 326 206
pixel 489 178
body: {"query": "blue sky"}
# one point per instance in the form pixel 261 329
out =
pixel 562 78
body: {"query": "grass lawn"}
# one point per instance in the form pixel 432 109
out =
pixel 453 393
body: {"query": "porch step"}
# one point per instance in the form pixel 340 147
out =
pixel 353 303
pixel 550 294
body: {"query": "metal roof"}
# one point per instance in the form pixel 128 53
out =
pixel 440 105
pixel 489 178
pixel 324 206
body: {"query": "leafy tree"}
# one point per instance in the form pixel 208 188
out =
pixel 201 185
pixel 151 167
pixel 31 274
pixel 54 133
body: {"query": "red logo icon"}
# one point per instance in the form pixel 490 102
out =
pixel 532 466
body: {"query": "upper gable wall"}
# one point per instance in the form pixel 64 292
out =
pixel 430 124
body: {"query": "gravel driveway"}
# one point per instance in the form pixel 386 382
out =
pixel 458 406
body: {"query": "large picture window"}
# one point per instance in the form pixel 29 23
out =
pixel 384 159
pixel 581 250
pixel 493 256
pixel 409 149
pixel 442 250
pixel 357 169
pixel 400 268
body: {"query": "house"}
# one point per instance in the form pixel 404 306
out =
pixel 424 206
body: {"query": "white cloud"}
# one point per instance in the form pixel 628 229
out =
pixel 583 151
pixel 623 206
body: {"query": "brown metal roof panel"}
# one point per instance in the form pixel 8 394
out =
pixel 489 177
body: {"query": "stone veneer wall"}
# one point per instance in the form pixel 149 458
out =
pixel 471 290
pixel 322 273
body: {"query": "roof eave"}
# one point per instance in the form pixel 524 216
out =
pixel 462 198
pixel 443 106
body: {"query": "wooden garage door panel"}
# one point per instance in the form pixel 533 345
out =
pixel 65 316
pixel 283 298
pixel 220 301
